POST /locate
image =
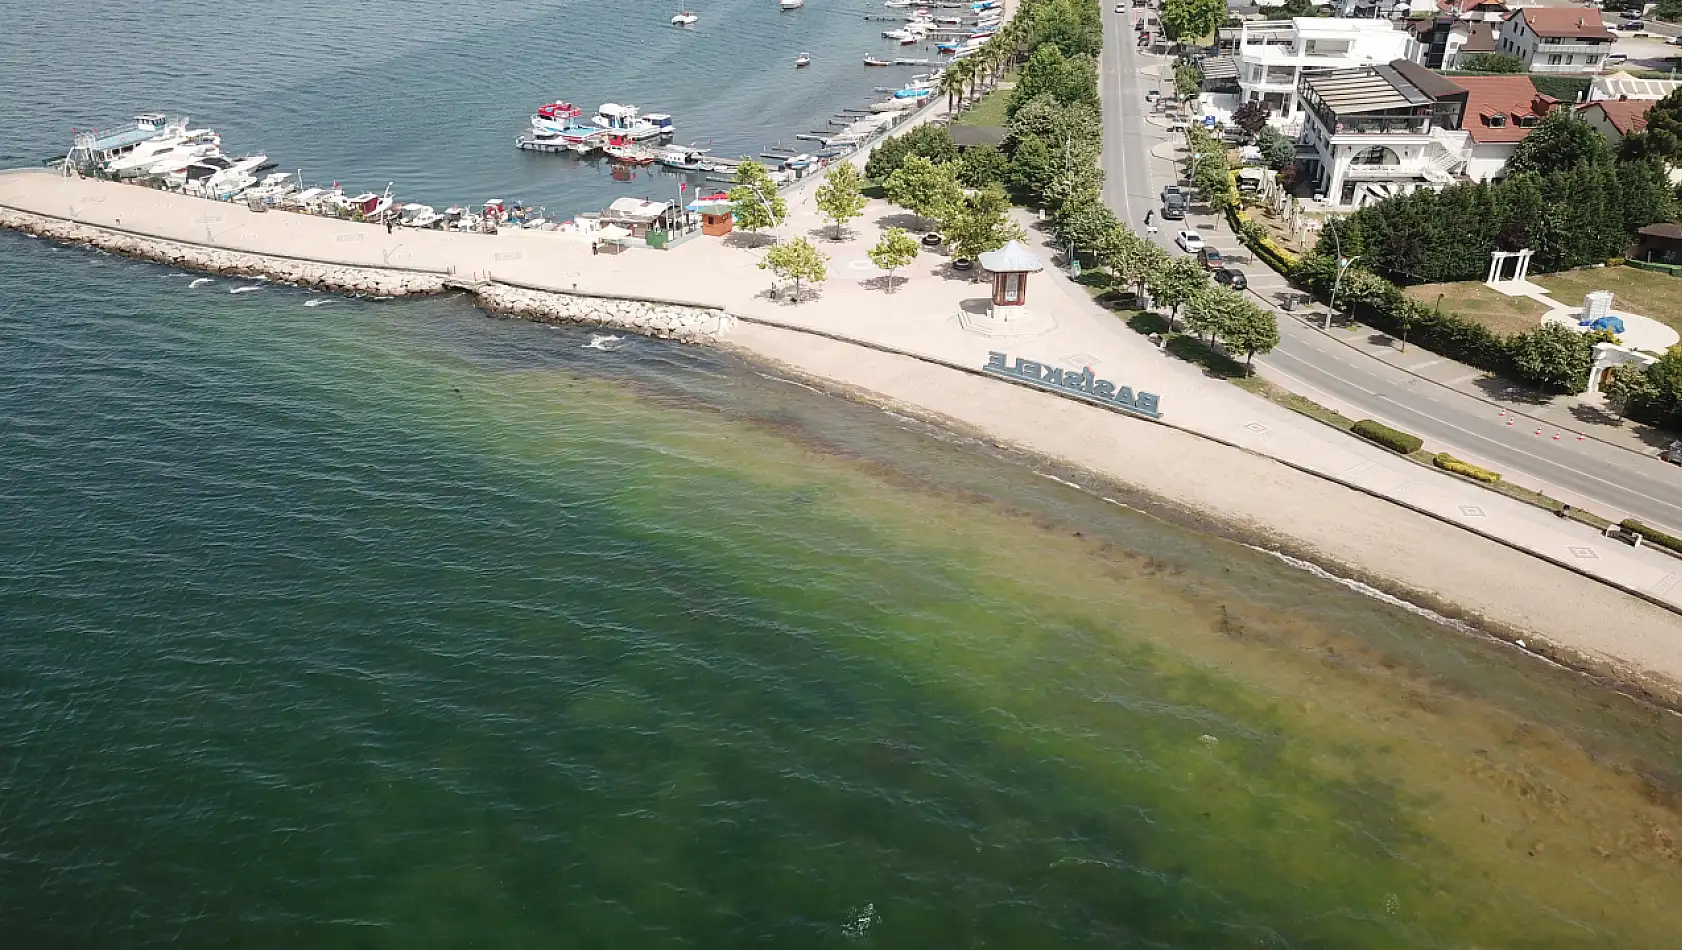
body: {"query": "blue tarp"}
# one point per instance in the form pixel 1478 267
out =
pixel 1605 323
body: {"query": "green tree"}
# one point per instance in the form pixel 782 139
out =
pixel 1130 257
pixel 1490 63
pixel 896 249
pixel 1662 138
pixel 838 197
pixel 924 188
pixel 982 165
pixel 1251 116
pixel 1668 10
pixel 796 260
pixel 1277 150
pixel 1175 284
pixel 1188 80
pixel 1564 140
pixel 1211 311
pixel 1084 221
pixel 979 222
pixel 1251 329
pixel 1067 79
pixel 933 142
pixel 1192 20
pixel 1290 9
pixel 1031 166
pixel 755 202
pixel 1553 357
pixel 1073 26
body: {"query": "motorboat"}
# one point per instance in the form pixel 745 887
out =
pixel 791 4
pixel 683 158
pixel 171 144
pixel 873 61
pixel 685 19
pixel 626 154
pixel 803 60
pixel 630 123
pixel 799 162
pixel 555 115
pixel 897 4
pixel 274 187
pixel 913 94
pixel 211 171
pixel 419 216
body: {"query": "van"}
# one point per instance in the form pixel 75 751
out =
pixel 1616 59
pixel 1173 206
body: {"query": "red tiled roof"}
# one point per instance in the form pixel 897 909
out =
pixel 1563 21
pixel 1626 115
pixel 1512 96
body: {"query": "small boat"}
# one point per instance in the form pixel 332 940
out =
pixel 798 162
pixel 687 158
pixel 791 4
pixel 803 60
pixel 897 4
pixel 555 116
pixel 627 154
pixel 873 61
pixel 419 216
pixel 684 19
pixel 630 123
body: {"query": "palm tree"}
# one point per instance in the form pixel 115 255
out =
pixel 952 83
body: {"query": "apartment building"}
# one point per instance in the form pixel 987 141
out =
pixel 1556 39
pixel 1378 131
pixel 1269 59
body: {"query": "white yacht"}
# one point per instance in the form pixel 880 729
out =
pixel 419 216
pixel 685 19
pixel 176 140
pixel 627 121
pixel 791 4
pixel 274 187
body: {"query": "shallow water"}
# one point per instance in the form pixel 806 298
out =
pixel 387 624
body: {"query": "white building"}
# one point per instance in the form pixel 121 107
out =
pixel 1271 58
pixel 1393 9
pixel 1556 39
pixel 1622 85
pixel 1378 131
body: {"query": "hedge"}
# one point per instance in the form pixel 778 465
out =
pixel 1652 535
pixel 1255 238
pixel 1449 463
pixel 1394 439
pixel 1674 270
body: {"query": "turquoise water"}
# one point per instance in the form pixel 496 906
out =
pixel 391 625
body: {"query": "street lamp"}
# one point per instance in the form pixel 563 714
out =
pixel 1343 265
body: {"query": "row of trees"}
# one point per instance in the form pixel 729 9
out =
pixel 1651 394
pixel 1569 217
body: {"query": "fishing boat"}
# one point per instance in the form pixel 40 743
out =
pixel 791 4
pixel 684 19
pixel 274 188
pixel 802 61
pixel 873 61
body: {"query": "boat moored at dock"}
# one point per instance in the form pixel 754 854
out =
pixel 628 121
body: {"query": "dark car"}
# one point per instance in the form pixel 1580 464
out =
pixel 1173 206
pixel 1211 258
pixel 1231 278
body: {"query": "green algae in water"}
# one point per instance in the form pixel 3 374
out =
pixel 406 628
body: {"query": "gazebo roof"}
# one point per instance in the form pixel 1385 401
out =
pixel 1012 258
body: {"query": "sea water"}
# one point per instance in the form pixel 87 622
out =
pixel 390 624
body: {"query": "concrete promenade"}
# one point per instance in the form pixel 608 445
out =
pixel 937 314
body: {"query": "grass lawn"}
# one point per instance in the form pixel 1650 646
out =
pixel 989 109
pixel 1646 292
pixel 1472 300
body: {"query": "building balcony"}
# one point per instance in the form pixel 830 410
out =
pixel 1388 172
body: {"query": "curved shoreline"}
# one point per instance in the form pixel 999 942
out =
pixel 1021 419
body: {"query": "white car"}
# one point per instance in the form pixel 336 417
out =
pixel 1189 241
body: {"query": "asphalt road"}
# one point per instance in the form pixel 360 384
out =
pixel 1608 479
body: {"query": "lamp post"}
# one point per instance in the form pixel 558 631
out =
pixel 1343 265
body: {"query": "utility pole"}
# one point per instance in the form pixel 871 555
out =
pixel 1343 265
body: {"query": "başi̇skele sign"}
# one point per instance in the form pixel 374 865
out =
pixel 1082 385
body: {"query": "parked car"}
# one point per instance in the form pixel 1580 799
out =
pixel 1121 8
pixel 1616 59
pixel 1230 277
pixel 1151 94
pixel 1632 26
pixel 1211 258
pixel 1675 41
pixel 1175 190
pixel 1189 241
pixel 1672 453
pixel 1173 207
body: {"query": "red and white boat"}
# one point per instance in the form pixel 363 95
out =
pixel 620 149
pixel 556 115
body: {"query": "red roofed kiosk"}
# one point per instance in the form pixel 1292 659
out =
pixel 1010 266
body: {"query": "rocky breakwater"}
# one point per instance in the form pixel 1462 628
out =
pixel 666 321
pixel 370 281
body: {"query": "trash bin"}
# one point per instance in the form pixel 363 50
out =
pixel 1288 302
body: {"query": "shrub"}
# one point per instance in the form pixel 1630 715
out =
pixel 1393 439
pixel 1652 535
pixel 1449 463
